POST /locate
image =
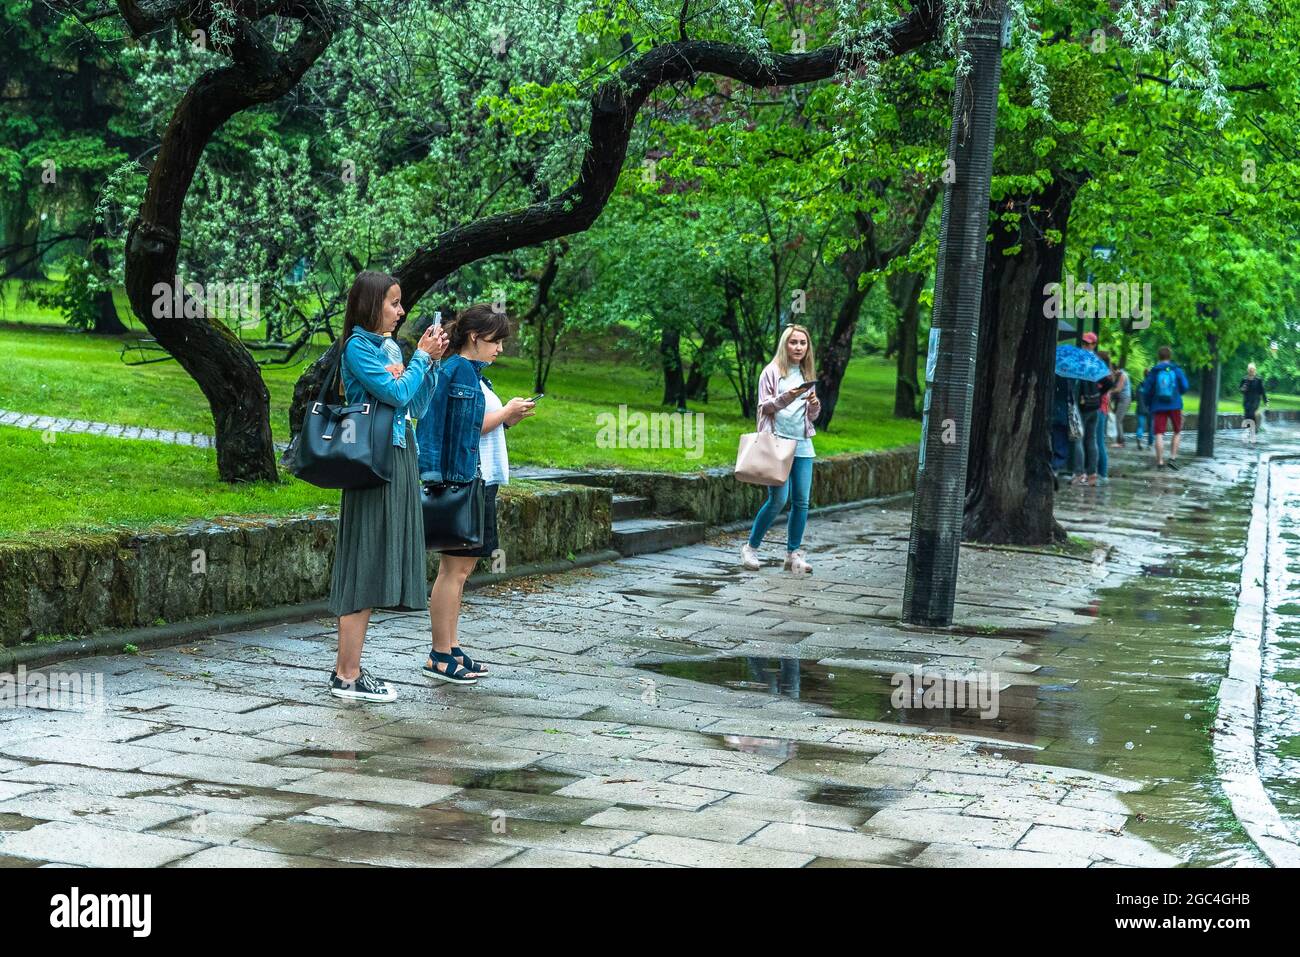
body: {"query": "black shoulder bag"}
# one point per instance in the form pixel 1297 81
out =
pixel 345 446
pixel 453 514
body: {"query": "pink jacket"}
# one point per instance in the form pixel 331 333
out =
pixel 770 401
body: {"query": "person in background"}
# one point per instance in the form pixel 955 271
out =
pixel 1164 387
pixel 1120 398
pixel 1143 413
pixel 1089 410
pixel 1062 396
pixel 1104 388
pixel 1252 394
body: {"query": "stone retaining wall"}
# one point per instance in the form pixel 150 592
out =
pixel 131 580
pixel 713 496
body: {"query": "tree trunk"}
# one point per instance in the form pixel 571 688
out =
pixel 697 382
pixel 837 351
pixel 1207 413
pixel 905 292
pixel 670 351
pixel 206 348
pixel 107 321
pixel 1009 481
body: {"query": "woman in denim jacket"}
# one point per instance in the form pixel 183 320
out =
pixel 462 434
pixel 379 557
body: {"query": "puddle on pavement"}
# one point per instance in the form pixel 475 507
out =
pixel 1132 693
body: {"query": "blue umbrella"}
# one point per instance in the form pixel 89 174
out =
pixel 1075 363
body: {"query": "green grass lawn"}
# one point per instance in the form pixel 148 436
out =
pixel 58 371
pixel 85 483
pixel 80 483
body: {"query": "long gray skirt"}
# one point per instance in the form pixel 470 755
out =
pixel 379 557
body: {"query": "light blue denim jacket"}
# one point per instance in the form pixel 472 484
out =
pixel 364 377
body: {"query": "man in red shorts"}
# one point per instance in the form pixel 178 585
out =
pixel 1163 389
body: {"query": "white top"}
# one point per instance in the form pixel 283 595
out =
pixel 492 458
pixel 790 420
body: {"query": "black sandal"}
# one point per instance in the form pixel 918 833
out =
pixel 455 674
pixel 469 663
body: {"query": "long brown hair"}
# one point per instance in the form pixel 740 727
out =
pixel 366 301
pixel 365 308
pixel 480 319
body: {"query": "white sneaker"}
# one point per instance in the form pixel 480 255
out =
pixel 749 558
pixel 796 564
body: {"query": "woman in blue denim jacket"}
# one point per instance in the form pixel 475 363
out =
pixel 461 434
pixel 379 557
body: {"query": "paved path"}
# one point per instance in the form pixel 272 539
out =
pixel 589 746
pixel 55 424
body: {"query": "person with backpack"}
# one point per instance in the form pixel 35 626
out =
pixel 379 548
pixel 1164 387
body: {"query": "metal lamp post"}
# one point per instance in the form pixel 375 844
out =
pixel 937 507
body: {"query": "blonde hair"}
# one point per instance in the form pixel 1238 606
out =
pixel 782 358
pixel 1251 368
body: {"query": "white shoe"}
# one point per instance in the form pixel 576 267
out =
pixel 749 558
pixel 796 564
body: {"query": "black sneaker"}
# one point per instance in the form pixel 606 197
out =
pixel 1173 464
pixel 366 688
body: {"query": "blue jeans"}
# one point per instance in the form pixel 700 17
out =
pixel 1103 457
pixel 1143 426
pixel 800 481
pixel 1089 441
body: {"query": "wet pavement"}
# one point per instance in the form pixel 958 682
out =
pixel 1279 738
pixel 673 710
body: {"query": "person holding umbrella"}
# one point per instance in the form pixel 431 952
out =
pixel 1084 365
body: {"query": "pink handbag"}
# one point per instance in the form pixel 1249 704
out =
pixel 764 458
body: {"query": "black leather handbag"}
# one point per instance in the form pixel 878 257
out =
pixel 453 514
pixel 344 446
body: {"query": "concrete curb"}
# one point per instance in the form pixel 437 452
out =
pixel 1235 743
pixel 175 633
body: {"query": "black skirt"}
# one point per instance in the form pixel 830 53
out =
pixel 490 540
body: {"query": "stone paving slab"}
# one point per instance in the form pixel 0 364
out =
pixel 89 846
pixel 362 787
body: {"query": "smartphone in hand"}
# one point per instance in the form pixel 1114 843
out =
pixel 539 396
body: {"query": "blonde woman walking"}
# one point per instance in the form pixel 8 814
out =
pixel 788 406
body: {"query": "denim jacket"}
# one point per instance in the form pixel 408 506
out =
pixel 448 433
pixel 364 377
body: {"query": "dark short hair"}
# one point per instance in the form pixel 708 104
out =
pixel 480 318
pixel 1165 353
